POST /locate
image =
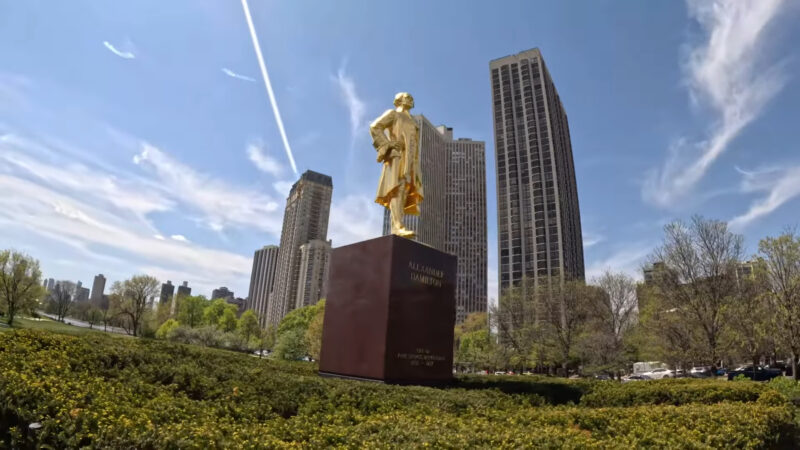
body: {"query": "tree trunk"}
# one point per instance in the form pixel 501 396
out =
pixel 794 366
pixel 11 314
pixel 755 364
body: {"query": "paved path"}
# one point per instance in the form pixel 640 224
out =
pixel 82 324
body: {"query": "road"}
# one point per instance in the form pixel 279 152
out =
pixel 82 324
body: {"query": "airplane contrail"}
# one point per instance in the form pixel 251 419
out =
pixel 271 94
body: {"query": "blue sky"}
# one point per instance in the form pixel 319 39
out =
pixel 138 137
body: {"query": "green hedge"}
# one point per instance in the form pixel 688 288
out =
pixel 670 392
pixel 113 392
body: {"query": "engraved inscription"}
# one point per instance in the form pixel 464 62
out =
pixel 421 357
pixel 427 275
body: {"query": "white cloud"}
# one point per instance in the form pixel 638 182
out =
pixel 233 74
pixel 355 106
pixel 262 161
pixel 780 186
pixel 725 73
pixel 49 213
pixel 120 53
pixel 222 205
pixel 354 218
pixel 283 187
pixel 591 239
pixel 160 237
pixel 628 259
pixel 265 75
pixel 179 238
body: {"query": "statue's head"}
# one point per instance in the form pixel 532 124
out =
pixel 404 100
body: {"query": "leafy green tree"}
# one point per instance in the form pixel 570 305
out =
pixel 20 283
pixel 214 312
pixel 699 278
pixel 191 310
pixel 227 322
pixel 167 328
pixel 314 331
pixel 782 268
pixel 291 344
pixel 267 338
pixel 132 297
pixel 248 325
pixel 291 333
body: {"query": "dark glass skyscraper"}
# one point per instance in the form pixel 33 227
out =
pixel 538 218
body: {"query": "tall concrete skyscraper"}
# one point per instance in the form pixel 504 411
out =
pixel 184 290
pixel 262 279
pixel 305 219
pixel 98 286
pixel 313 279
pixel 223 293
pixel 538 218
pixel 453 214
pixel 167 292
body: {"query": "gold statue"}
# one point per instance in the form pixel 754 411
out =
pixel 400 186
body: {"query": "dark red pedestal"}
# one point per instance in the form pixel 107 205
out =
pixel 390 312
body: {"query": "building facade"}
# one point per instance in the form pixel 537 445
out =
pixel 453 214
pixel 262 279
pixel 313 281
pixel 167 293
pixel 184 290
pixel 222 292
pixel 98 287
pixel 538 217
pixel 305 219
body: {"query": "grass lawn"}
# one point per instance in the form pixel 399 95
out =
pixel 44 324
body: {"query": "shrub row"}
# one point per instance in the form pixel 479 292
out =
pixel 112 392
pixel 670 392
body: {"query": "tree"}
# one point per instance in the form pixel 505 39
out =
pixel 267 338
pixel 750 319
pixel 227 322
pixel 214 312
pixel 566 312
pixel 93 316
pixel 782 268
pixel 612 316
pixel 61 299
pixel 248 325
pixel 466 335
pixel 191 310
pixel 519 323
pixel 132 297
pixel 20 283
pixel 291 334
pixel 314 331
pixel 167 328
pixel 699 277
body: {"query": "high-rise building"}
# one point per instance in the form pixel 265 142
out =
pixel 313 281
pixel 453 214
pixel 167 292
pixel 262 279
pixel 98 286
pixel 81 294
pixel 538 219
pixel 305 219
pixel 222 292
pixel 184 290
pixel 51 284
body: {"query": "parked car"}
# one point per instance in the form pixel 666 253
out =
pixel 700 370
pixel 635 377
pixel 499 372
pixel 658 374
pixel 759 374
